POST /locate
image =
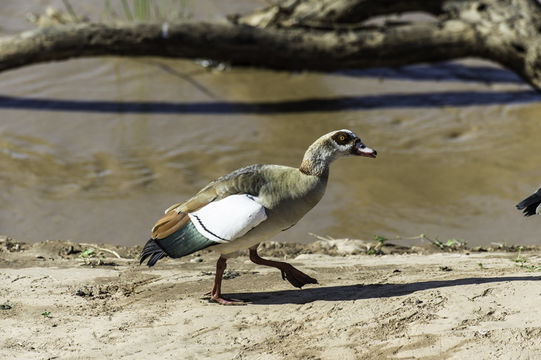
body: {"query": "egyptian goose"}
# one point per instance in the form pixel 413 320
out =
pixel 531 205
pixel 248 206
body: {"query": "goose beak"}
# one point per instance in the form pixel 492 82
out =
pixel 361 149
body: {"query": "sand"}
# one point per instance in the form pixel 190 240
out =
pixel 407 304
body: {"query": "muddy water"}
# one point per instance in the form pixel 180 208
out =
pixel 93 150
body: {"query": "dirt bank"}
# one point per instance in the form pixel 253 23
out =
pixel 61 300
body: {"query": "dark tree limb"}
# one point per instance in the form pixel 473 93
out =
pixel 319 35
pixel 330 13
pixel 292 49
pixel 506 32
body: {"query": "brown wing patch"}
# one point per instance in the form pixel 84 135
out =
pixel 247 180
pixel 177 215
pixel 168 224
pixel 173 207
pixel 202 198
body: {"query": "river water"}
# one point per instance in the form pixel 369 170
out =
pixel 93 150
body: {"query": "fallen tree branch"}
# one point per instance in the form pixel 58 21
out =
pixel 278 49
pixel 329 13
pixel 504 32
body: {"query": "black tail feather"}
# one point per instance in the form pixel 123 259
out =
pixel 530 204
pixel 154 250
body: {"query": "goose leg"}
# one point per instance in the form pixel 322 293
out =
pixel 216 292
pixel 296 277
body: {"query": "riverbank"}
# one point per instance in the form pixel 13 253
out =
pixel 62 300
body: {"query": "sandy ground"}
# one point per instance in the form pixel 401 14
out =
pixel 54 304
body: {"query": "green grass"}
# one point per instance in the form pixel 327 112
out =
pixel 380 239
pixel 451 244
pixel 520 259
pixel 69 9
pixel 88 253
pixel 522 262
pixel 141 10
pixel 91 256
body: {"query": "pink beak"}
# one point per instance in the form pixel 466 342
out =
pixel 361 149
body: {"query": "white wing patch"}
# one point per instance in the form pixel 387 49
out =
pixel 229 218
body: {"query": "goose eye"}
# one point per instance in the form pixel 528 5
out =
pixel 341 138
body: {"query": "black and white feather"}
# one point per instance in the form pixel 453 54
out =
pixel 531 205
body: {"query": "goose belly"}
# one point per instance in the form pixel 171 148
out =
pixel 259 234
pixel 281 218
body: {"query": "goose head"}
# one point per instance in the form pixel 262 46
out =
pixel 331 146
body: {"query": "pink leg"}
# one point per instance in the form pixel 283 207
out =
pixel 296 277
pixel 216 292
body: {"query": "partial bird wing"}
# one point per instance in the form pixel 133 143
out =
pixel 530 205
pixel 248 180
pixel 229 218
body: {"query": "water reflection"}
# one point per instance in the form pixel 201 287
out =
pixel 385 101
pixel 446 71
pixel 94 149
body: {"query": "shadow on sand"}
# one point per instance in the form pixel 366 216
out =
pixel 359 291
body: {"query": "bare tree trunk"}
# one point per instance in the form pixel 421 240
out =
pixel 320 35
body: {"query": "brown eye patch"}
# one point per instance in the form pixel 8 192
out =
pixel 342 138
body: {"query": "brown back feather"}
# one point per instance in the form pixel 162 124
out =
pixel 177 215
pixel 202 198
pixel 168 224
